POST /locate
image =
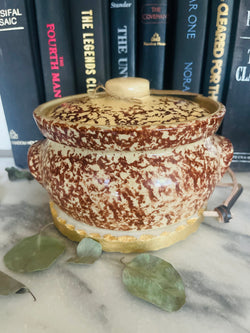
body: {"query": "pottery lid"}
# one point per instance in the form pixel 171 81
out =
pixel 127 115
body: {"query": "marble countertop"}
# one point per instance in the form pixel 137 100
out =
pixel 214 263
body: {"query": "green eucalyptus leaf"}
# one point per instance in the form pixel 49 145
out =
pixel 155 281
pixel 88 251
pixel 16 174
pixel 33 253
pixel 9 286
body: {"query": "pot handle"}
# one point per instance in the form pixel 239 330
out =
pixel 222 212
pixel 34 160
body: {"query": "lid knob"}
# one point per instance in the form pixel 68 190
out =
pixel 127 87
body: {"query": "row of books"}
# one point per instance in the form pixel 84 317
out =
pixel 55 48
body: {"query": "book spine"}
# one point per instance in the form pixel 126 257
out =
pixel 152 41
pixel 236 124
pixel 123 37
pixel 20 84
pixel 90 35
pixel 219 31
pixel 55 48
pixel 191 19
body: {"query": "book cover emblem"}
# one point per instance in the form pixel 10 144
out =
pixel 13 135
pixel 155 40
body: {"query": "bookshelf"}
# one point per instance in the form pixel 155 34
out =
pixel 215 24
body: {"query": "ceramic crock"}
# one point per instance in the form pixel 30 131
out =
pixel 128 164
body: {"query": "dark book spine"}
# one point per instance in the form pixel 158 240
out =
pixel 191 19
pixel 55 46
pixel 90 35
pixel 236 124
pixel 21 78
pixel 217 49
pixel 152 41
pixel 123 37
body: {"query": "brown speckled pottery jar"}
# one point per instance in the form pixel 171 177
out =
pixel 127 159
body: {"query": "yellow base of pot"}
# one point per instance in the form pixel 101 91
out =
pixel 127 243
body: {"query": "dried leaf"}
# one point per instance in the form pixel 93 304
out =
pixel 88 251
pixel 9 286
pixel 16 174
pixel 33 253
pixel 155 281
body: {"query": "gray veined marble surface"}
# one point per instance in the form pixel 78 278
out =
pixel 214 264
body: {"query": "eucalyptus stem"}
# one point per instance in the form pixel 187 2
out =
pixel 34 297
pixel 46 226
pixel 122 261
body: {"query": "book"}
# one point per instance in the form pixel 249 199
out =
pixel 217 49
pixel 90 36
pixel 21 85
pixel 55 48
pixel 236 124
pixel 152 41
pixel 123 37
pixel 190 31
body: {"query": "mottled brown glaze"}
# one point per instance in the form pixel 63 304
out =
pixel 136 127
pixel 130 165
pixel 131 190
